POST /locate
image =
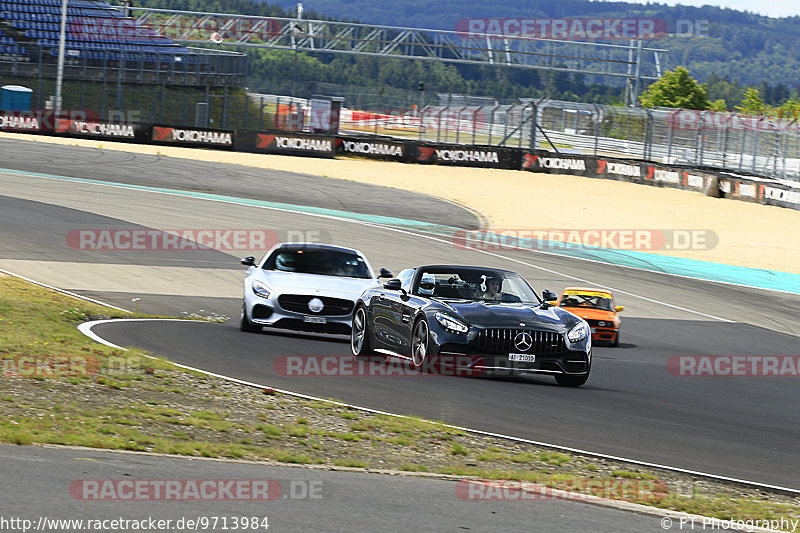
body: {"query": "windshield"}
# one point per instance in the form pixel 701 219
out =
pixel 476 284
pixel 322 262
pixel 587 300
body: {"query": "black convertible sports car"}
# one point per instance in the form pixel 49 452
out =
pixel 491 316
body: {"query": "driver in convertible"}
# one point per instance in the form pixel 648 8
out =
pixel 492 290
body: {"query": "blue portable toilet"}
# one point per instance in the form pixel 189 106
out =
pixel 15 98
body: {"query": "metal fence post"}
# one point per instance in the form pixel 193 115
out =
pixel 725 134
pixel 597 120
pixel 702 138
pixel 458 122
pixel 261 114
pixel 755 147
pixel 505 126
pixel 475 122
pixel 421 122
pixel 745 134
pixel 155 103
pixel 491 123
pixel 225 106
pixel 246 109
pixel 163 100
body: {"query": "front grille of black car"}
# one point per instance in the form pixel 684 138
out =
pixel 501 341
pixel 298 303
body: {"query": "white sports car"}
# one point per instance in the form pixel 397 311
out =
pixel 305 287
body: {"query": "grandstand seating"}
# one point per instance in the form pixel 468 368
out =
pixel 95 32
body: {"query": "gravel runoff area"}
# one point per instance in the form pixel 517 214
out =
pixel 750 235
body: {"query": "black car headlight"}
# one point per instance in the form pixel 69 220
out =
pixel 578 333
pixel 451 324
pixel 260 289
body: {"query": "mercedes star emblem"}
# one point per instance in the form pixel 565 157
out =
pixel 315 305
pixel 523 341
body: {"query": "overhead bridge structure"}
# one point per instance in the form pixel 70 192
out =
pixel 627 59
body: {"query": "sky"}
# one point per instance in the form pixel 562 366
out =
pixel 773 8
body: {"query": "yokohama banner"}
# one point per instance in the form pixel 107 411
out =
pixel 558 163
pixel 373 148
pixel 193 137
pixel 289 143
pixel 467 156
pixel 105 130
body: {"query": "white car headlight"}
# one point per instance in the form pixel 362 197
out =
pixel 578 333
pixel 451 324
pixel 260 289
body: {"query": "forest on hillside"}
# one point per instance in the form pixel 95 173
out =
pixel 741 50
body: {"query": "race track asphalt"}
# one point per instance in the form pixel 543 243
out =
pixel 631 406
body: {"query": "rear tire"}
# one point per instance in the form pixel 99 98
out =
pixel 245 324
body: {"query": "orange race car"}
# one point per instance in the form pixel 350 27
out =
pixel 596 306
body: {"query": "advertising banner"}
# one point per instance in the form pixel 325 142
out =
pixel 194 137
pixel 373 148
pixel 280 142
pixel 467 156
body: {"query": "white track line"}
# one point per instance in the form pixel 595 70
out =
pixel 86 329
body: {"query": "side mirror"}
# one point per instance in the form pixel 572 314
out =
pixel 552 302
pixel 619 308
pixel 249 261
pixel 393 284
pixel 385 273
pixel 548 296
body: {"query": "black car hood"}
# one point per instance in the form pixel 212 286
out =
pixel 509 315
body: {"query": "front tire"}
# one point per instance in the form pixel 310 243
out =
pixel 359 335
pixel 616 340
pixel 420 343
pixel 245 324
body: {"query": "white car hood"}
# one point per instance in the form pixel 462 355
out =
pixel 293 283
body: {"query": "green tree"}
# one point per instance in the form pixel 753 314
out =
pixel 752 104
pixel 718 105
pixel 678 89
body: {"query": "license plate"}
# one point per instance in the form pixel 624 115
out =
pixel 315 319
pixel 522 357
